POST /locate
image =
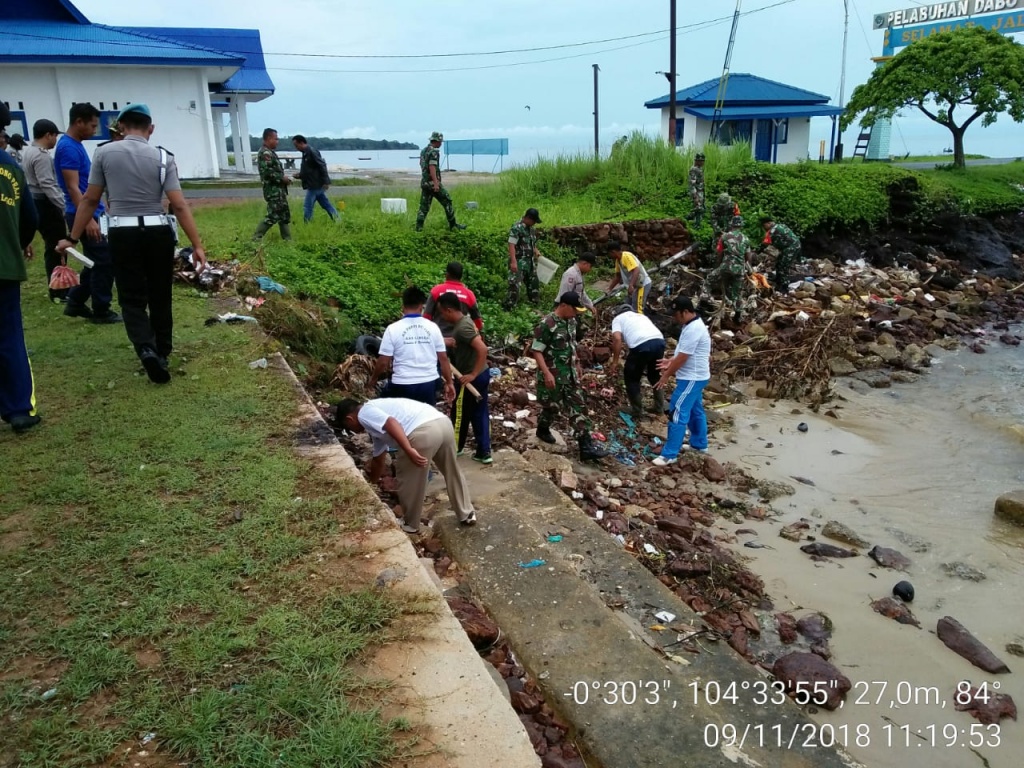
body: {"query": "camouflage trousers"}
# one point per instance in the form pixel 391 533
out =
pixel 730 284
pixel 783 266
pixel 427 196
pixel 278 211
pixel 525 274
pixel 566 396
pixel 698 208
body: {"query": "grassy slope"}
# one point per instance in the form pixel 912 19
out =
pixel 155 545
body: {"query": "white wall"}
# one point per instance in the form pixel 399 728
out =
pixel 170 92
pixel 697 131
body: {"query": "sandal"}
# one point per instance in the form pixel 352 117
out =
pixel 471 520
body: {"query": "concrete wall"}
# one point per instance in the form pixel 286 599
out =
pixel 178 97
pixel 697 131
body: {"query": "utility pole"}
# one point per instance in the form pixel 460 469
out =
pixel 842 76
pixel 672 76
pixel 597 140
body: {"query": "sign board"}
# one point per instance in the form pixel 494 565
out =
pixel 938 12
pixel 1005 24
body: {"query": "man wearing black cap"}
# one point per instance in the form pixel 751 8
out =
pixel 522 259
pixel 17 226
pixel 559 376
pixel 46 194
pixel 136 176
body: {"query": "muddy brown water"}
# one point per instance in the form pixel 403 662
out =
pixel 918 469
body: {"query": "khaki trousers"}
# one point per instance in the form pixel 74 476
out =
pixel 436 441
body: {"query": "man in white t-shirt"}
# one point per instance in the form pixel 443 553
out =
pixel 414 348
pixel 691 366
pixel 421 434
pixel 646 346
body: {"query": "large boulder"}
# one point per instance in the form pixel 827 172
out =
pixel 1010 507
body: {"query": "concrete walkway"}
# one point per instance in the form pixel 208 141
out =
pixel 439 682
pixel 592 659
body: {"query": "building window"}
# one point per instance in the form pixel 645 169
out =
pixel 735 131
pixel 782 131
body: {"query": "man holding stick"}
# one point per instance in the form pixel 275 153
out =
pixel 469 368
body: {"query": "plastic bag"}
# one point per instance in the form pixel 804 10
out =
pixel 63 278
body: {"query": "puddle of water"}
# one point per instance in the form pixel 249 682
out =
pixel 928 461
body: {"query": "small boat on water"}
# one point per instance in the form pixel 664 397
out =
pixel 365 158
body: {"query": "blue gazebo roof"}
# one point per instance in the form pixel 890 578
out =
pixel 743 90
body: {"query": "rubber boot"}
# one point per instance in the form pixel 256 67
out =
pixel 286 231
pixel 636 407
pixel 544 435
pixel 589 450
pixel 659 402
pixel 261 230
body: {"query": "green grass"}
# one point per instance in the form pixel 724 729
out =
pixel 134 591
pixel 348 181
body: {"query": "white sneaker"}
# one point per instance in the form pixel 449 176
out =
pixel 663 462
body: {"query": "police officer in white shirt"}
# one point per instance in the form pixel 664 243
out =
pixel 136 176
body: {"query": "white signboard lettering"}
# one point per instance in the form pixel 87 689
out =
pixel 941 11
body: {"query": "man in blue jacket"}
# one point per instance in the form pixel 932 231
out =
pixel 17 226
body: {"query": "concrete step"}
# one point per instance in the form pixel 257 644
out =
pixel 592 659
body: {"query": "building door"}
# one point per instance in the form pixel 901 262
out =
pixel 763 141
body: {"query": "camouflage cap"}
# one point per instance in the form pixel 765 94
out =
pixel 724 198
pixel 437 136
pixel 699 156
pixel 737 222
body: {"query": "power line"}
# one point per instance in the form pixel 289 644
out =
pixel 688 29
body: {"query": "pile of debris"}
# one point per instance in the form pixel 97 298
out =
pixel 217 276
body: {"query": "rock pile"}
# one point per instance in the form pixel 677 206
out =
pixel 655 239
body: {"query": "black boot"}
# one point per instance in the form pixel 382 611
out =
pixel 262 228
pixel 286 231
pixel 636 407
pixel 544 435
pixel 589 450
pixel 659 402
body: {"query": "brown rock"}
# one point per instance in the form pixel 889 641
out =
pixel 806 669
pixel 524 703
pixel 567 479
pixel 816 627
pixel 482 632
pixel 602 355
pixel 739 642
pixel 680 526
pixel 1010 507
pixel 689 567
pixel 787 627
pixel 840 532
pixel 749 620
pixel 989 707
pixel 556 758
pixel 713 470
pixel 895 609
pixel 960 641
pixel 889 558
pixel 820 549
pixel 794 531
pixel 519 397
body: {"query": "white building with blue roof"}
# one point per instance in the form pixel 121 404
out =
pixel 52 57
pixel 773 117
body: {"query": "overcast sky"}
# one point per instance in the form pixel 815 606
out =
pixel 798 42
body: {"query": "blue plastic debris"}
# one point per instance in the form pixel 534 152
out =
pixel 266 284
pixel 628 419
pixel 533 564
pixel 554 538
pixel 495 372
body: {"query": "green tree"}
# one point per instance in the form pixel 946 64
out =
pixel 955 78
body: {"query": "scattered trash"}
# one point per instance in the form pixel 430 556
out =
pixel 49 694
pixel 148 738
pixel 533 564
pixel 268 285
pixel 650 549
pixel 495 372
pixel 531 397
pixel 599 515
pixel 508 424
pixel 523 413
pixel 577 495
pixel 665 617
pixel 261 363
pixel 599 436
pixel 554 538
pixel 802 426
pixel 620 539
pixel 231 318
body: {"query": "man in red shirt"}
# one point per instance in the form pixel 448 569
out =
pixel 452 284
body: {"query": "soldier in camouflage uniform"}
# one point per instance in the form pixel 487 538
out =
pixel 275 188
pixel 732 270
pixel 697 189
pixel 559 385
pixel 430 184
pixel 782 238
pixel 722 212
pixel 522 259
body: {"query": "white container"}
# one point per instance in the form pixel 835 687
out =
pixel 393 205
pixel 546 269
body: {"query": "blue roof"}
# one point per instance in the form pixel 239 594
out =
pixel 252 77
pixel 766 112
pixel 741 90
pixel 43 10
pixel 50 42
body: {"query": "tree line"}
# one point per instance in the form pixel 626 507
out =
pixel 325 143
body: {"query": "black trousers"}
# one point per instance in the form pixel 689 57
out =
pixel 52 229
pixel 143 260
pixel 643 359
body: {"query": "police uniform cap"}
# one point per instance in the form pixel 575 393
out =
pixel 142 109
